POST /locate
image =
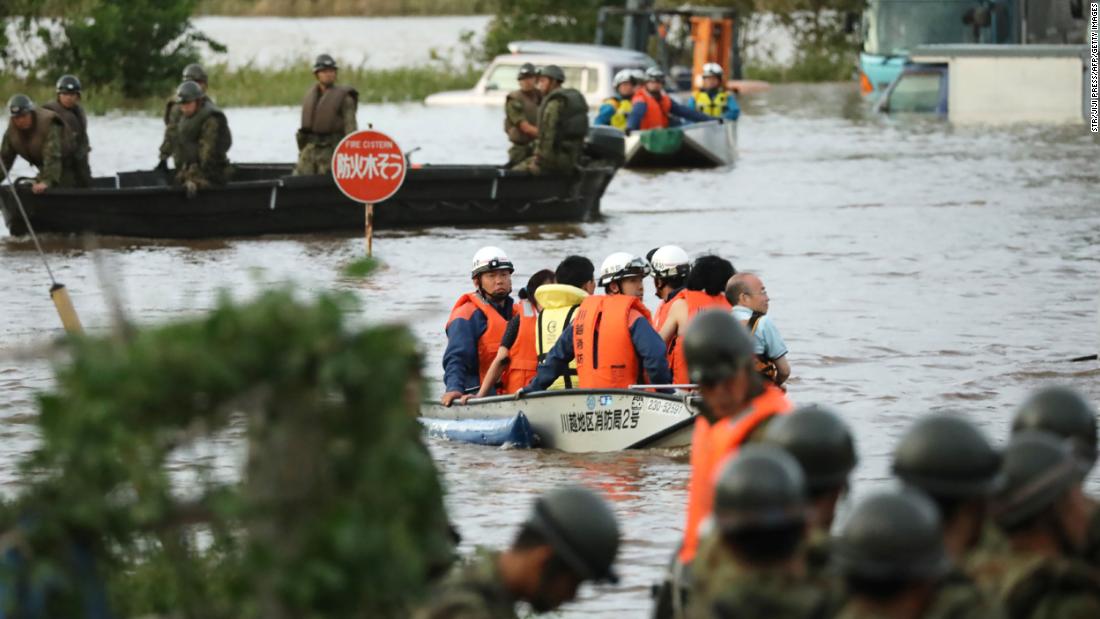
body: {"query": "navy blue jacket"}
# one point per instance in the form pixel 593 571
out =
pixel 460 362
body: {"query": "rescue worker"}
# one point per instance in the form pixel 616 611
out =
pixel 477 323
pixel 202 141
pixel 521 115
pixel 749 298
pixel 750 565
pixel 38 136
pixel 652 108
pixel 1063 412
pixel 517 352
pixel 711 99
pixel 68 109
pixel 615 109
pixel 191 73
pixel 328 114
pixel 737 406
pixel 571 537
pixel 562 125
pixel 1044 517
pixel 824 446
pixel 955 465
pixel 705 290
pixel 670 266
pixel 891 557
pixel 611 337
pixel 575 280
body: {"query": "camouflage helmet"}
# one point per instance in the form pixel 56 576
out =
pixel 527 70
pixel 553 72
pixel 947 457
pixel 1039 468
pixel 68 84
pixel 19 105
pixel 893 536
pixel 194 73
pixel 716 346
pixel 582 530
pixel 189 91
pixel 762 487
pixel 324 61
pixel 821 443
pixel 1064 412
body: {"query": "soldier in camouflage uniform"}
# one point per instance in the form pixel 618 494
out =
pixel 172 115
pixel 571 536
pixel 328 114
pixel 68 109
pixel 521 115
pixel 202 141
pixel 562 125
pixel 750 564
pixel 38 136
pixel 1044 515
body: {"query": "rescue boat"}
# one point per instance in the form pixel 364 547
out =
pixel 572 420
pixel 700 145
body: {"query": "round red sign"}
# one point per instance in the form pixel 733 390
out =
pixel 368 166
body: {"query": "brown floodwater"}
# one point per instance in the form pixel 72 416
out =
pixel 913 267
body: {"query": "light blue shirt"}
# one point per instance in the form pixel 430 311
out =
pixel 766 339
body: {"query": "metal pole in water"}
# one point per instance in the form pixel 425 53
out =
pixel 58 294
pixel 370 228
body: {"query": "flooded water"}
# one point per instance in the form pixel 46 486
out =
pixel 912 267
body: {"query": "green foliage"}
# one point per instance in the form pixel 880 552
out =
pixel 338 514
pixel 329 8
pixel 565 21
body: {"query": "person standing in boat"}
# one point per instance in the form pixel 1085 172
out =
pixel 477 324
pixel 575 278
pixel 521 115
pixel 328 114
pixel 191 73
pixel 563 123
pixel 615 110
pixel 68 109
pixel 670 266
pixel 611 336
pixel 712 99
pixel 654 109
pixel 706 287
pixel 750 302
pixel 202 141
pixel 38 136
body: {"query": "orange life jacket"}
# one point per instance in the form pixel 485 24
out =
pixel 662 314
pixel 711 445
pixel 489 342
pixel 696 300
pixel 605 354
pixel 656 114
pixel 523 356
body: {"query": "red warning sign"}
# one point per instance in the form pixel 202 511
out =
pixel 368 166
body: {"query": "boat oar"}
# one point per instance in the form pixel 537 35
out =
pixel 58 294
pixel 1085 358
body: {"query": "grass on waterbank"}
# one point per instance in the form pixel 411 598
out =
pixel 252 87
pixel 356 8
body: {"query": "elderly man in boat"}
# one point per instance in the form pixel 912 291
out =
pixel 38 136
pixel 653 108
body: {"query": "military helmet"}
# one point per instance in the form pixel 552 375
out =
pixel 68 84
pixel 491 258
pixel 553 72
pixel 19 105
pixel 1039 468
pixel 1061 411
pixel 762 487
pixel 948 457
pixel 324 61
pixel 654 73
pixel 189 91
pixel 716 346
pixel 582 530
pixel 527 70
pixel 893 536
pixel 194 73
pixel 820 441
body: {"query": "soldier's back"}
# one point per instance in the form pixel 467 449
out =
pixel 1032 586
pixel 470 591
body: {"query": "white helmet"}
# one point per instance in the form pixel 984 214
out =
pixel 622 77
pixel 670 261
pixel 621 265
pixel 638 74
pixel 712 68
pixel 491 259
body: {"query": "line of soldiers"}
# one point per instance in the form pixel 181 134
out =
pixel 54 137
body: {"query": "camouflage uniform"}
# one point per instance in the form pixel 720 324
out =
pixel 201 146
pixel 76 147
pixel 1091 553
pixel 324 124
pixel 518 107
pixel 1032 586
pixel 471 591
pixel 563 123
pixel 42 146
pixel 172 116
pixel 817 550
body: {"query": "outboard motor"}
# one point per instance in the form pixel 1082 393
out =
pixel 606 144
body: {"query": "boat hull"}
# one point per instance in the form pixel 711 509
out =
pixel 703 145
pixel 582 420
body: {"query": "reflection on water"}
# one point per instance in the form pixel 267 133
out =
pixel 912 266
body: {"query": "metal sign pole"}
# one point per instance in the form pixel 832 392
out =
pixel 370 227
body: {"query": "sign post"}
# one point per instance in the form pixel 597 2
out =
pixel 368 167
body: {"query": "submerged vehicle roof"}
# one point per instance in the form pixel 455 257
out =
pixel 581 50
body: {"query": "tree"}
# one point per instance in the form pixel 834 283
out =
pixel 564 21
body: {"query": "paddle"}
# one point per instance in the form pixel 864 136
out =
pixel 1085 358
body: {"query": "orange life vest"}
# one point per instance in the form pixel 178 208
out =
pixel 711 445
pixel 489 342
pixel 605 354
pixel 696 300
pixel 523 356
pixel 662 314
pixel 656 114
